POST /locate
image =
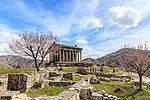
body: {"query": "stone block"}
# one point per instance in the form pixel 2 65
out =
pixel 17 82
pixel 94 80
pixel 96 96
pixel 85 94
pixel 53 74
pixel 67 76
pixel 82 71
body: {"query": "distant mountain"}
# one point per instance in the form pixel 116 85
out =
pixel 91 60
pixel 14 61
pixel 3 62
pixel 114 57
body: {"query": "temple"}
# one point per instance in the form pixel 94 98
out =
pixel 66 54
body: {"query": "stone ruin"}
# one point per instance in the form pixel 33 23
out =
pixel 67 76
pixel 17 82
pixel 102 76
pixel 89 94
pixel 94 80
pixel 78 90
pixel 87 70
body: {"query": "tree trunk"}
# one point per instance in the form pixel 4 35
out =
pixel 36 65
pixel 113 70
pixel 140 82
pixel 37 68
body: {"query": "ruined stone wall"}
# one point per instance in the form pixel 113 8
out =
pixel 12 80
pixel 36 77
pixel 61 83
pixel 17 82
pixel 88 70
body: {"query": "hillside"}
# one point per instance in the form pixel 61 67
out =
pixel 113 57
pixel 3 62
pixel 90 60
pixel 116 56
pixel 14 61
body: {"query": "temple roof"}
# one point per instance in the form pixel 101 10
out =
pixel 70 46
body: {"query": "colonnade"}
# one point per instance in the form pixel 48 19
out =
pixel 68 55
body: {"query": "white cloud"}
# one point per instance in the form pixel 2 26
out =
pixel 93 23
pixel 6 34
pixel 125 16
pixel 88 51
pixel 82 41
pixel 83 15
pixel 141 5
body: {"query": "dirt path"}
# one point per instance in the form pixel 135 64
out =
pixel 136 78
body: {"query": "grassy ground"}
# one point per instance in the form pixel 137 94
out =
pixel 77 77
pixel 49 91
pixel 70 69
pixel 15 71
pixel 127 93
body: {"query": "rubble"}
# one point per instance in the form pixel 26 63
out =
pixel 94 80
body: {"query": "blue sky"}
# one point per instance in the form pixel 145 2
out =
pixel 99 26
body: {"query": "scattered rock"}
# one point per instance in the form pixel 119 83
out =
pixel 53 74
pixel 72 89
pixel 60 69
pixel 114 97
pixel 84 94
pixel 94 80
pixel 103 91
pixel 82 71
pixel 37 85
pixel 106 94
pixel 117 90
pixel 109 96
pixel 67 76
pixel 105 98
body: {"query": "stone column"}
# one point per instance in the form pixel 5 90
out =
pixel 77 56
pixel 66 55
pixel 70 56
pixel 60 56
pixel 73 56
pixel 63 55
pixel 80 55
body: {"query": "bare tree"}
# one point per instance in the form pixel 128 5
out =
pixel 137 59
pixel 36 45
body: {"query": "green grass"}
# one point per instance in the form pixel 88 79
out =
pixel 49 91
pixel 16 71
pixel 69 69
pixel 77 77
pixel 127 93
